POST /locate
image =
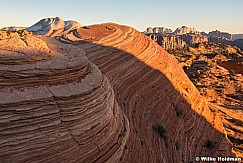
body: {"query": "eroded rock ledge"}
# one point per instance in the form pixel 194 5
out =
pixel 55 105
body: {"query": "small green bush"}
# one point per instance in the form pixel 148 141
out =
pixel 210 144
pixel 161 130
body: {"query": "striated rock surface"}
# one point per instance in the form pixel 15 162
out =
pixel 53 26
pixel 55 105
pixel 169 120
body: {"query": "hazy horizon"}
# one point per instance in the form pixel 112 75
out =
pixel 206 15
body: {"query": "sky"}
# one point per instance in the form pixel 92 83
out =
pixel 204 15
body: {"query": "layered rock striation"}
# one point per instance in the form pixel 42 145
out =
pixel 55 105
pixel 169 120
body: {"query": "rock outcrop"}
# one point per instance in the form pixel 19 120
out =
pixel 53 26
pixel 235 64
pixel 192 39
pixel 179 39
pixel 168 42
pixel 222 35
pixel 186 30
pixel 155 94
pixel 55 105
pixel 237 36
pixel 4 34
pixel 191 36
pixel 13 29
pixel 161 30
pixel 216 70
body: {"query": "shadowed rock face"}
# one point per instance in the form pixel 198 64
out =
pixel 55 105
pixel 53 26
pixel 151 88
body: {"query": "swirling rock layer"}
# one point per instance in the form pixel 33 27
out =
pixel 152 89
pixel 55 105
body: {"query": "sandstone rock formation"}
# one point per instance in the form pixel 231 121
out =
pixel 168 42
pixel 186 30
pixel 235 64
pixel 192 39
pixel 191 36
pixel 180 38
pixel 11 34
pixel 161 30
pixel 56 106
pixel 53 26
pixel 151 88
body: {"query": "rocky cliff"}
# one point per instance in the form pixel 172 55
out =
pixel 180 38
pixel 56 106
pixel 168 42
pixel 169 120
pixel 191 36
pixel 192 39
pixel 161 30
pixel 186 30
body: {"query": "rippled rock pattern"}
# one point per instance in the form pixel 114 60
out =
pixel 55 105
pixel 53 26
pixel 152 89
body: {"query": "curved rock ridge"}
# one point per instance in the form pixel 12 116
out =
pixel 53 26
pixel 55 105
pixel 155 94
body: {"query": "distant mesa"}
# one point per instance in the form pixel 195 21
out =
pixel 223 35
pixel 238 36
pixel 191 36
pixel 13 29
pixel 53 26
pixel 161 30
pixel 180 38
pixel 186 30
